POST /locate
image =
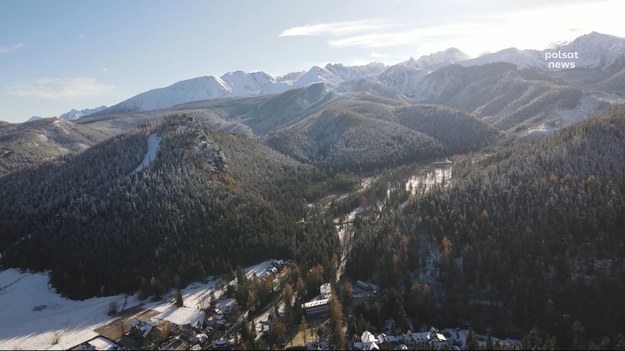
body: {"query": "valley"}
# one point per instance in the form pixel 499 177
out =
pixel 339 207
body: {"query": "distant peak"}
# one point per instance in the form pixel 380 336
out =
pixel 596 36
pixel 557 44
pixel 450 55
pixel 34 118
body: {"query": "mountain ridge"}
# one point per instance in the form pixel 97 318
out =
pixel 596 52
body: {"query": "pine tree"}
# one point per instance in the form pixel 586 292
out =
pixel 489 343
pixel 179 300
pixel 278 331
pixel 288 302
pixel 303 328
pixel 472 343
pixel 336 322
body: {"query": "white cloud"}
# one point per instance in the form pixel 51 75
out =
pixel 60 88
pixel 335 28
pixel 517 25
pixel 408 36
pixel 4 50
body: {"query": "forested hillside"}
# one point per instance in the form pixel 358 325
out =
pixel 337 138
pixel 368 132
pixel 31 143
pixel 208 201
pixel 530 236
pixel 509 99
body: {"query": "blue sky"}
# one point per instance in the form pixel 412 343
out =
pixel 59 55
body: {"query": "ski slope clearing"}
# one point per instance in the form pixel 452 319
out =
pixel 154 142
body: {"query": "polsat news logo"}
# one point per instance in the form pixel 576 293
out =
pixel 561 59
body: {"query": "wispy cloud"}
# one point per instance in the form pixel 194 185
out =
pixel 406 36
pixel 4 49
pixel 335 28
pixel 60 88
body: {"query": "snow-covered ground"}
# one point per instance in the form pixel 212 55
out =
pixel 258 269
pixel 34 316
pixel 542 129
pixel 196 297
pixel 438 176
pixel 154 142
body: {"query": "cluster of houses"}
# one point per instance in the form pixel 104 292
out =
pixel 218 317
pixel 140 333
pixel 429 339
pixel 212 331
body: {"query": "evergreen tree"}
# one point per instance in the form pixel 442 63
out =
pixel 179 300
pixel 337 331
pixel 303 328
pixel 472 343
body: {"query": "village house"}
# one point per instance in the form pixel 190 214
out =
pixel 367 342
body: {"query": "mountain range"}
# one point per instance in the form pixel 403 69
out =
pixel 214 173
pixel 44 139
pixel 315 115
pixel 596 81
pixel 598 76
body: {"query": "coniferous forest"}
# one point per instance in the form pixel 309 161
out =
pixel 300 175
pixel 527 235
pixel 102 228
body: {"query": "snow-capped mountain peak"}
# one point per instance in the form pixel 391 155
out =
pixel 557 44
pixel 446 57
pixel 316 75
pixel 76 114
pixel 594 50
pixel 247 84
pixel 346 73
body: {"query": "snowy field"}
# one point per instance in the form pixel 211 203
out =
pixel 34 316
pixel 258 269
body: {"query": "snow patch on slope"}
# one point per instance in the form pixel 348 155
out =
pixel 150 155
